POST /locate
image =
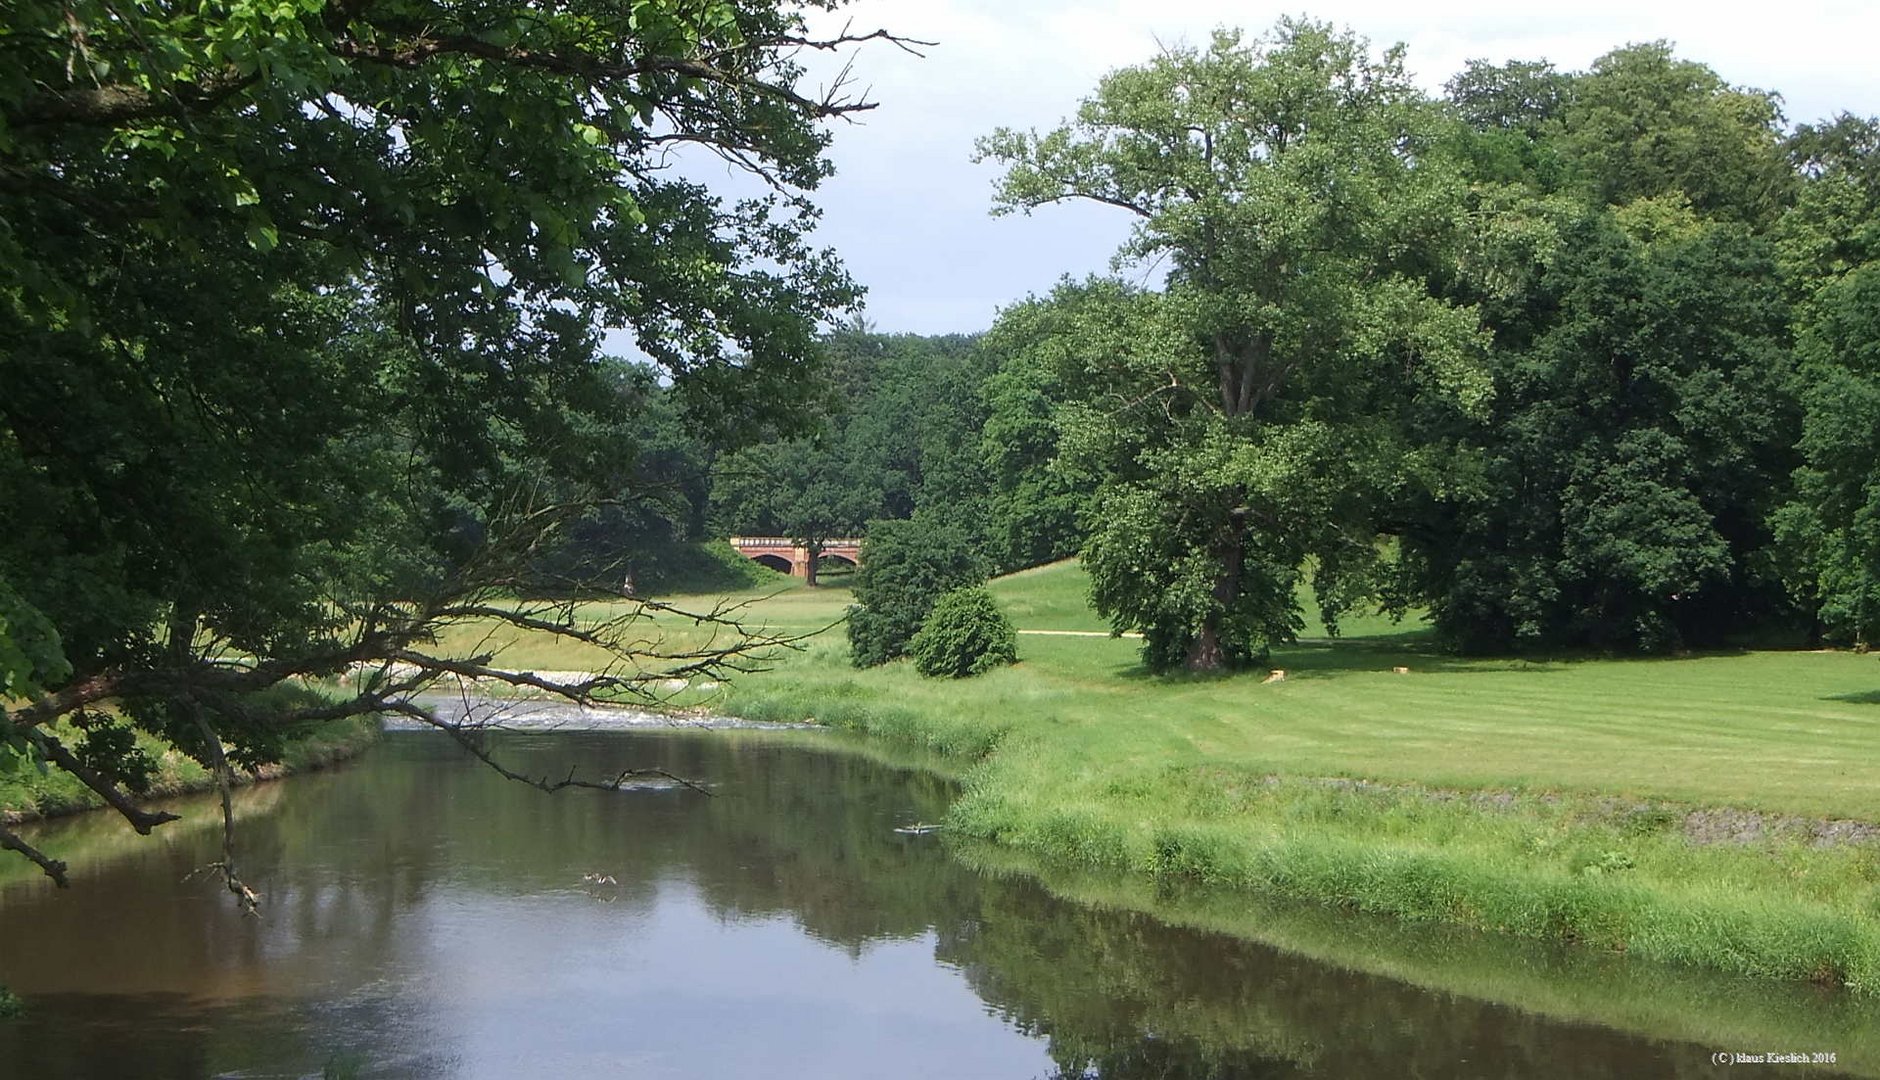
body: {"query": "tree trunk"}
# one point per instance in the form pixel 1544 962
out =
pixel 812 552
pixel 1206 652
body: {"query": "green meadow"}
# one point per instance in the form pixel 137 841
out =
pixel 1706 811
pixel 1786 733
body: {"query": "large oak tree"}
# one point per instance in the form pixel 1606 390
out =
pixel 1298 191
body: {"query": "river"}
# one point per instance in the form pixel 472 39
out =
pixel 424 917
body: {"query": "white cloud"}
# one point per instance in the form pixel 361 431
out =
pixel 908 210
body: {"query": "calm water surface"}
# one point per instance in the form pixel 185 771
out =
pixel 426 918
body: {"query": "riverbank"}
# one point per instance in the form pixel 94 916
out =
pixel 1581 986
pixel 1715 812
pixel 31 796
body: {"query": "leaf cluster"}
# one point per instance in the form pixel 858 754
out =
pixel 906 567
pixel 964 635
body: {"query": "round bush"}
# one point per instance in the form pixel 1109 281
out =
pixel 906 567
pixel 965 634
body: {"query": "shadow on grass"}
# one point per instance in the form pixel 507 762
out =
pixel 1865 697
pixel 1417 650
pixel 1421 651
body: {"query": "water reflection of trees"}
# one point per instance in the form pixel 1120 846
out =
pixel 792 833
pixel 1118 994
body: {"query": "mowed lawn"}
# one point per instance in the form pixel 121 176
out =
pixel 1785 731
pixel 1792 732
pixel 1795 732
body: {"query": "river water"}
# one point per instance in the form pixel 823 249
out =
pixel 424 917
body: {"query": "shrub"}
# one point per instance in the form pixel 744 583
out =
pixel 906 567
pixel 965 634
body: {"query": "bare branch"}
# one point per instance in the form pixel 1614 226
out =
pixel 392 646
pixel 142 820
pixel 415 45
pixel 116 103
pixel 10 841
pixel 1108 200
pixel 74 696
pixel 225 781
pixel 422 46
pixel 465 735
pixel 848 37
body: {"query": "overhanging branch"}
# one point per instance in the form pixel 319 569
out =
pixel 142 820
pixel 467 736
pixel 10 841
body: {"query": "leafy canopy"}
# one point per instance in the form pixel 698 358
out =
pixel 907 566
pixel 300 308
pixel 1298 188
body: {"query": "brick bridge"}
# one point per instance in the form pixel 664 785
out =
pixel 786 556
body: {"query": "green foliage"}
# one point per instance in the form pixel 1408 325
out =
pixel 30 660
pixel 907 566
pixel 10 1005
pixel 1644 124
pixel 902 423
pixel 913 410
pixel 1829 241
pixel 1152 558
pixel 1300 190
pixel 1638 442
pixel 1521 96
pixel 1834 225
pixel 650 533
pixel 964 635
pixel 301 309
pixel 1043 487
pixel 31 657
pixel 806 489
pixel 1832 528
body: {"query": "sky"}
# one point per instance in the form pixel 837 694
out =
pixel 909 211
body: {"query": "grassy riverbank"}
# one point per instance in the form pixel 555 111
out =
pixel 30 795
pixel 1704 811
pixel 1676 1005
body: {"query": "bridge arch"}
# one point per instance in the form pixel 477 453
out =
pixel 774 562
